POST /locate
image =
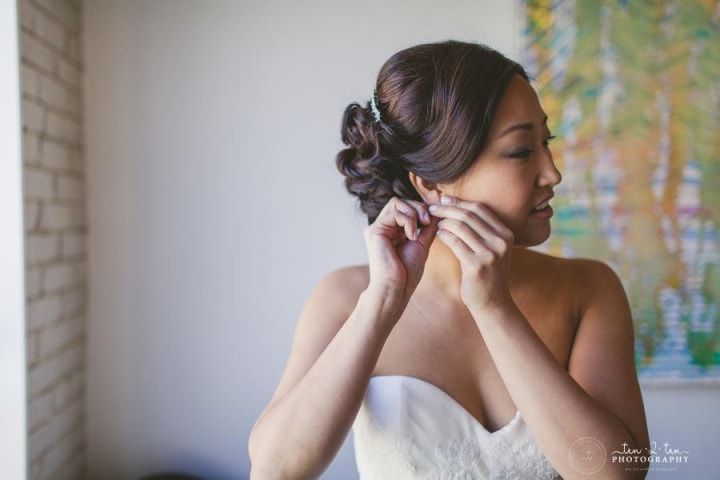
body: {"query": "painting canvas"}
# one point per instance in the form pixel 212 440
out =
pixel 632 91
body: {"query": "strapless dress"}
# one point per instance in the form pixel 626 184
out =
pixel 408 428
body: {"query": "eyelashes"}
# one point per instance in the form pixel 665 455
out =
pixel 525 153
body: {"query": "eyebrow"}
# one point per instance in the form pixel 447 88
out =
pixel 521 126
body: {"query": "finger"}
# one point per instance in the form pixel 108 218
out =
pixel 408 223
pixel 387 216
pixel 390 218
pixel 427 233
pixel 483 230
pixel 455 244
pixel 422 210
pixel 481 210
pixel 410 208
pixel 465 232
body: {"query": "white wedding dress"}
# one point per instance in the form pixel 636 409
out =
pixel 408 428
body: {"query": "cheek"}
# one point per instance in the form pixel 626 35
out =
pixel 510 203
pixel 505 189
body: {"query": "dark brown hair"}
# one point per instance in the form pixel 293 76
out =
pixel 436 102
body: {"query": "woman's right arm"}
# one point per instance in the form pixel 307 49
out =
pixel 334 351
pixel 301 431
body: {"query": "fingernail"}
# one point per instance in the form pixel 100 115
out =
pixel 445 199
pixel 432 208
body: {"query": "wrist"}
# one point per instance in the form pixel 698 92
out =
pixel 388 301
pixel 390 292
pixel 493 311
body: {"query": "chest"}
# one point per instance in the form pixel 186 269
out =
pixel 443 346
pixel 408 429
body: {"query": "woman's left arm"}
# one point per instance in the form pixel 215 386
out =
pixel 595 407
pixel 580 417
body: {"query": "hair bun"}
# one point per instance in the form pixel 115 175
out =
pixel 370 174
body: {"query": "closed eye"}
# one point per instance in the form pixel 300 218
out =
pixel 521 154
pixel 525 153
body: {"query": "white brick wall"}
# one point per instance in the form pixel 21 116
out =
pixel 55 229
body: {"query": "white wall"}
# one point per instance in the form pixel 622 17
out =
pixel 215 207
pixel 13 400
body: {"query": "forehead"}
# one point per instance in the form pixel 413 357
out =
pixel 519 103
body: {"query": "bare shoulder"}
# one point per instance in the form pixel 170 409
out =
pixel 589 268
pixel 338 291
pixel 582 278
pixel 330 303
pixel 357 276
pixel 592 279
pixel 345 284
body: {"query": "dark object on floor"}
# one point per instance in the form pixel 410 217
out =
pixel 171 476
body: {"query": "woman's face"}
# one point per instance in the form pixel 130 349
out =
pixel 515 171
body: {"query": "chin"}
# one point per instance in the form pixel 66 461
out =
pixel 533 239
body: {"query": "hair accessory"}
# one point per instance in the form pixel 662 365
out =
pixel 373 105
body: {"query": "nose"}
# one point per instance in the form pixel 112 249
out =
pixel 549 174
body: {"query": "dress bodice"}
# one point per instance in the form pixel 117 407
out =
pixel 408 428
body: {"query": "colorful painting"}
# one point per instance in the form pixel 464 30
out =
pixel 632 91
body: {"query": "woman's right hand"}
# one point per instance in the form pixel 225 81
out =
pixel 396 256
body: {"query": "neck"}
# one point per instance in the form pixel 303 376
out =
pixel 443 272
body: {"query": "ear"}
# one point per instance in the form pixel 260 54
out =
pixel 429 191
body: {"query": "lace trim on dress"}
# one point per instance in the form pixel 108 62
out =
pixel 394 457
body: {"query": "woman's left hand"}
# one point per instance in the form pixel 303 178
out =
pixel 483 244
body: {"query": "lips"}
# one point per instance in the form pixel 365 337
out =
pixel 544 203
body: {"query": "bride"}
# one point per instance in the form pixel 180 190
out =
pixel 456 352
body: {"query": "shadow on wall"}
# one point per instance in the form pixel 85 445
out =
pixel 189 465
pixel 176 476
